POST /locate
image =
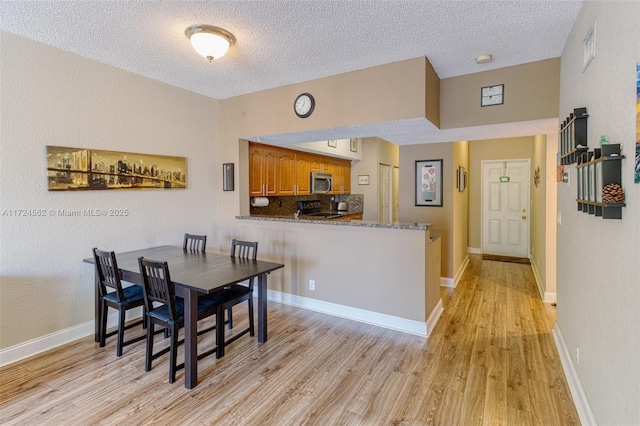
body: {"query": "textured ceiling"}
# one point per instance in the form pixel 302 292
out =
pixel 285 42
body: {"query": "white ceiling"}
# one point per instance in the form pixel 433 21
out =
pixel 285 42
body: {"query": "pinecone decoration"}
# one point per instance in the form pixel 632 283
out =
pixel 612 194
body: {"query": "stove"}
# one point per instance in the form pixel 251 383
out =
pixel 313 208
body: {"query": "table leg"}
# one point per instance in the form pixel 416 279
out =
pixel 262 308
pixel 220 333
pixel 97 310
pixel 190 336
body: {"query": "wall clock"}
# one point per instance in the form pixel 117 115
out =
pixel 303 105
pixel 492 95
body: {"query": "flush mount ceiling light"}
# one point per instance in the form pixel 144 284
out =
pixel 483 59
pixel 209 41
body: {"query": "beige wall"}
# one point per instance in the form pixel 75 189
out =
pixel 598 284
pixel 440 217
pixel 460 219
pixel 376 151
pixel 543 215
pixel 50 97
pixel 479 151
pixel 530 93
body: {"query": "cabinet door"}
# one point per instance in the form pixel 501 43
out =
pixel 270 169
pixel 346 177
pixel 303 174
pixel 256 174
pixel 316 163
pixel 286 173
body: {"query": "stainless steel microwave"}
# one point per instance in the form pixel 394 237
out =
pixel 320 183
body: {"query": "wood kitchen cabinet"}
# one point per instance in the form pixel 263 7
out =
pixel 303 174
pixel 341 172
pixel 286 172
pixel 262 171
pixel 281 171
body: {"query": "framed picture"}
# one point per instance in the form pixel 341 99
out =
pixel 227 176
pixel 363 179
pixel 429 183
pixel 354 145
pixel 461 179
pixel 333 143
pixel 85 169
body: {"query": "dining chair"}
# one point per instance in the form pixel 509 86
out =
pixel 122 299
pixel 227 297
pixel 194 242
pixel 167 310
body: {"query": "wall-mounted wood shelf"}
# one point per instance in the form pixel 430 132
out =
pixel 573 136
pixel 594 173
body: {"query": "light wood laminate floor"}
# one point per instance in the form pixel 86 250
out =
pixel 490 360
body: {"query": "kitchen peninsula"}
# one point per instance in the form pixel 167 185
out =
pixel 372 272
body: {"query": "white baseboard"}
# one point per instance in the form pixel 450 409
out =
pixel 453 282
pixel 546 296
pixel 447 282
pixel 575 387
pixel 50 341
pixel 474 250
pixel 368 317
pixel 434 317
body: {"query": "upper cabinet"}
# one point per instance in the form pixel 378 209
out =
pixel 280 171
pixel 262 171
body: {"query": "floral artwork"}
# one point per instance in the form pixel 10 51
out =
pixel 429 183
pixel 637 169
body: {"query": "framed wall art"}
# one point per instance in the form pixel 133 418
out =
pixel 429 183
pixel 82 169
pixel 461 179
pixel 227 176
pixel 363 179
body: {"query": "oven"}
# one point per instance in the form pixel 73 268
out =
pixel 320 183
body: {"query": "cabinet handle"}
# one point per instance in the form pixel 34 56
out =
pixel 524 217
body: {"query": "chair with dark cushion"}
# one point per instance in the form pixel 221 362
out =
pixel 122 299
pixel 168 312
pixel 232 295
pixel 194 242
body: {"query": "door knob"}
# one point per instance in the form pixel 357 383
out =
pixel 524 217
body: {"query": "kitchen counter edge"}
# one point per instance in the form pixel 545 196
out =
pixel 357 223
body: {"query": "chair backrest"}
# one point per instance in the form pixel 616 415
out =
pixel 194 242
pixel 108 272
pixel 157 285
pixel 244 249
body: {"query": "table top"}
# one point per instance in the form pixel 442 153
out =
pixel 201 271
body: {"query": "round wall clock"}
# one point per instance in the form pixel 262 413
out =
pixel 304 105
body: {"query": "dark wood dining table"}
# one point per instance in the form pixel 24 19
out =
pixel 196 273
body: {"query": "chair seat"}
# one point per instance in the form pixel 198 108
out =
pixel 227 294
pixel 205 306
pixel 132 294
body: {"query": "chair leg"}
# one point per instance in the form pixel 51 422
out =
pixel 174 354
pixel 121 317
pixel 149 354
pixel 144 317
pixel 103 324
pixel 230 317
pixel 251 329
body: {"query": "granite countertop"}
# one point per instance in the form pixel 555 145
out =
pixel 341 222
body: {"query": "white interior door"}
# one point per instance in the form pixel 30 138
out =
pixel 505 207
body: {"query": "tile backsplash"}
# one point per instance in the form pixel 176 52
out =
pixel 285 206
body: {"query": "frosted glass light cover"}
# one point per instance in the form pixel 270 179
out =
pixel 210 46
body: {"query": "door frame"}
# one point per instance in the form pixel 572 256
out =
pixel 483 201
